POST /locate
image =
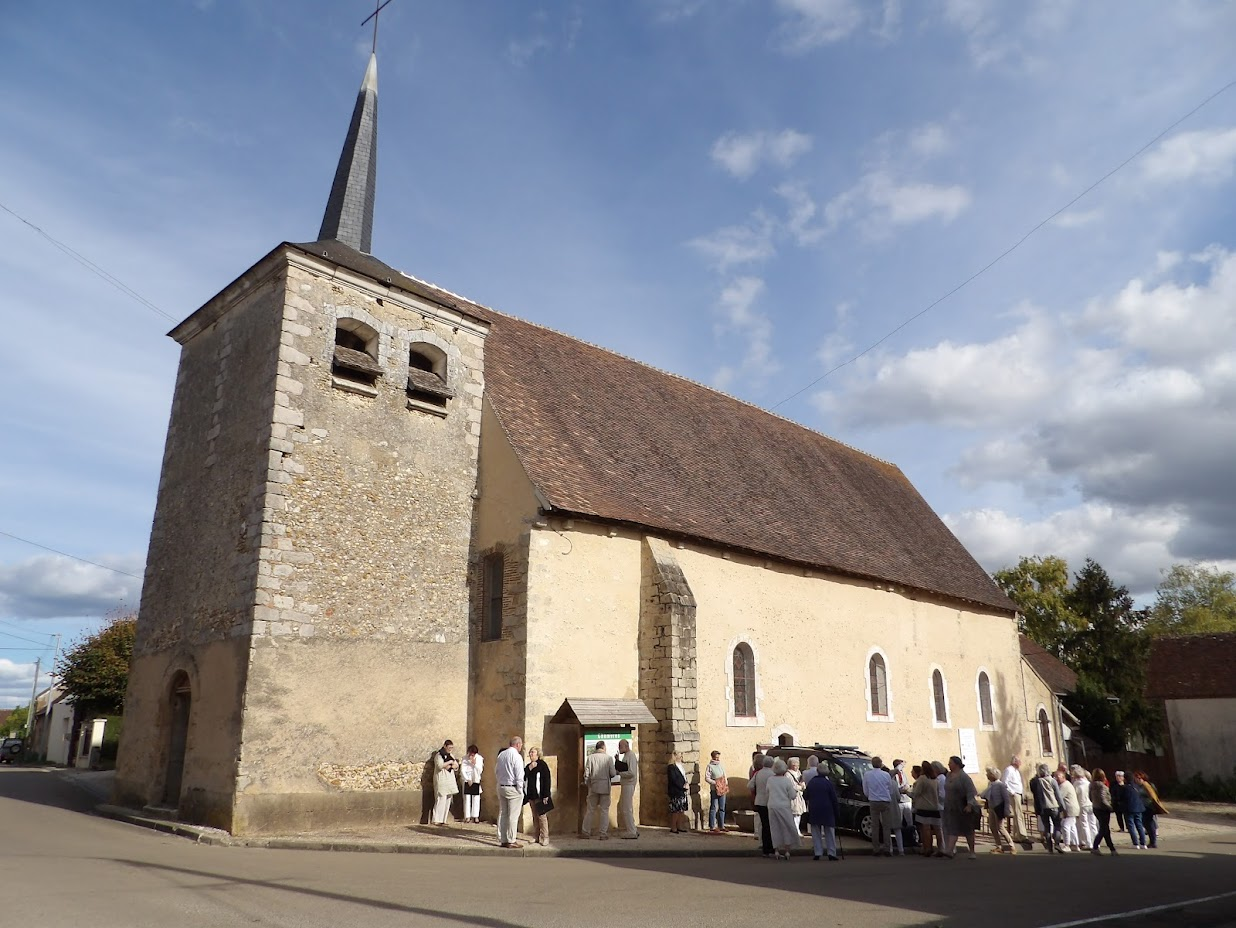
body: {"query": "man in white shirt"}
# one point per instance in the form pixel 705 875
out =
pixel 878 788
pixel 1016 789
pixel 510 773
pixel 599 771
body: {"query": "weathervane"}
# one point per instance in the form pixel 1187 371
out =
pixel 374 16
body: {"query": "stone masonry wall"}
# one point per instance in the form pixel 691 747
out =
pixel 359 648
pixel 667 678
pixel 202 566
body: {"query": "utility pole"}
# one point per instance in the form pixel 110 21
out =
pixel 34 690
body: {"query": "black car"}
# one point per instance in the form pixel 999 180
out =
pixel 845 766
pixel 10 750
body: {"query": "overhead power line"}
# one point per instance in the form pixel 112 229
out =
pixel 27 541
pixel 1008 251
pixel 92 267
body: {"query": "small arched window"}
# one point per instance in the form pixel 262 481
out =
pixel 938 697
pixel 1045 731
pixel 744 681
pixel 355 360
pixel 987 717
pixel 877 675
pixel 427 375
pixel 785 741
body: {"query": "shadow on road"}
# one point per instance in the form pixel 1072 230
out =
pixel 45 787
pixel 225 880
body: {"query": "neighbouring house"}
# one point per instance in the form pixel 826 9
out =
pixel 389 515
pixel 1195 677
pixel 52 730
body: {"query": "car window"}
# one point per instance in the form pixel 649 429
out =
pixel 841 776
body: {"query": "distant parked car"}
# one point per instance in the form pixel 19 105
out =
pixel 10 750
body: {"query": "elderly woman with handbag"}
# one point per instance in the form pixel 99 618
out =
pixel 538 794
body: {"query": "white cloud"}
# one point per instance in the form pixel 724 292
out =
pixel 1133 546
pixel 965 386
pixel 1075 218
pixel 16 682
pixel 733 246
pixel 929 140
pixel 743 154
pixel 1206 155
pixel 813 23
pixel 878 203
pixel 520 51
pixel 1129 404
pixel 50 586
pixel 736 307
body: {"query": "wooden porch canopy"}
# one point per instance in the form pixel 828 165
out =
pixel 603 713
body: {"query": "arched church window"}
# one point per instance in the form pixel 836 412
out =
pixel 355 360
pixel 1045 731
pixel 744 681
pixel 938 697
pixel 987 717
pixel 427 376
pixel 877 674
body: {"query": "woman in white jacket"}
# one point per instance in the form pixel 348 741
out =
pixel 472 767
pixel 1087 824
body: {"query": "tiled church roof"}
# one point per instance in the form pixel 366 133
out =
pixel 1192 667
pixel 1053 671
pixel 603 436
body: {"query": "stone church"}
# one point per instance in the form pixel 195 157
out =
pixel 389 516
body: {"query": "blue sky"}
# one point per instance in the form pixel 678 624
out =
pixel 744 193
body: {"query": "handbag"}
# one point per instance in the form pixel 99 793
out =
pixel 543 806
pixel 621 766
pixel 722 786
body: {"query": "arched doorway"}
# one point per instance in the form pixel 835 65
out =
pixel 181 702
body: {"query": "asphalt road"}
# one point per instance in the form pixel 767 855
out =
pixel 61 866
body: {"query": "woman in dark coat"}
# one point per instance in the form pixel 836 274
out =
pixel 538 789
pixel 823 809
pixel 677 788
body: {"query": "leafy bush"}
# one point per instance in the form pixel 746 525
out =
pixel 1200 789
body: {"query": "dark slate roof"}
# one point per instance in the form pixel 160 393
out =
pixel 349 208
pixel 603 436
pixel 1192 667
pixel 1054 672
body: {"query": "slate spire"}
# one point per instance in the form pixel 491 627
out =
pixel 349 211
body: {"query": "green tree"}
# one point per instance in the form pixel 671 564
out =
pixel 15 724
pixel 95 671
pixel 1040 586
pixel 1192 599
pixel 1110 656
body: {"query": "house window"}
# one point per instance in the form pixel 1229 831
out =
pixel 877 677
pixel 427 377
pixel 939 700
pixel 493 575
pixel 355 361
pixel 1045 731
pixel 744 681
pixel 987 718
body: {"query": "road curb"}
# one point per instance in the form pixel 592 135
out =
pixel 216 838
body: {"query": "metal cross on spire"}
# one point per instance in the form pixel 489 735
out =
pixel 374 16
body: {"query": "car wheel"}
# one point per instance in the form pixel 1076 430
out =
pixel 864 825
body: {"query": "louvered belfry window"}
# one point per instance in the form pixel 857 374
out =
pixel 878 674
pixel 744 681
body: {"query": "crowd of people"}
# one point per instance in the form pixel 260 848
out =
pixel 927 811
